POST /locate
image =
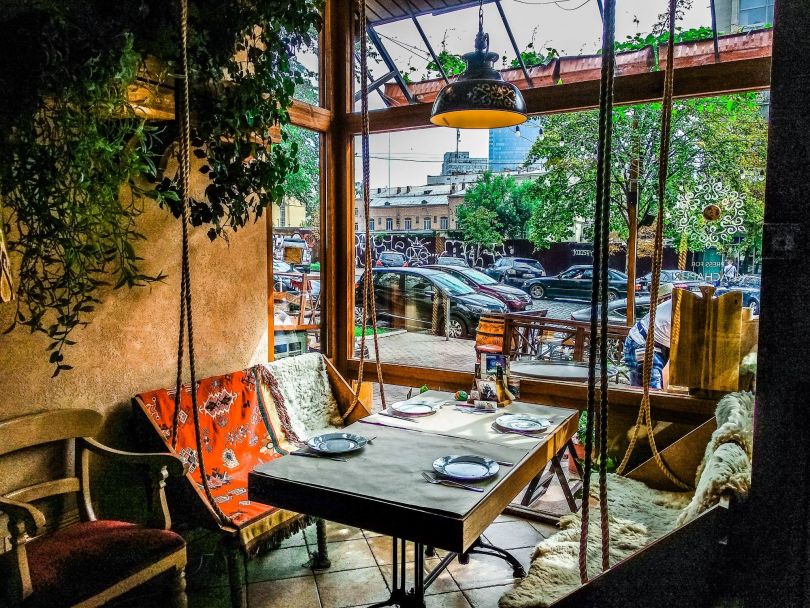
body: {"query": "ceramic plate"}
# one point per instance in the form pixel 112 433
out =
pixel 415 407
pixel 336 443
pixel 523 423
pixel 465 468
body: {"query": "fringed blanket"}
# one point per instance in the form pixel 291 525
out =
pixel 244 422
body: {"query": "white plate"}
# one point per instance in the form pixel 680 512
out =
pixel 523 423
pixel 466 468
pixel 415 407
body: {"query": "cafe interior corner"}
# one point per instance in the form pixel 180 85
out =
pixel 230 376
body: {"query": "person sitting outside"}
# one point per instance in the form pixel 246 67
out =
pixel 634 345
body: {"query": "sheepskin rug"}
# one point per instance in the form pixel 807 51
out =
pixel 639 515
pixel 308 397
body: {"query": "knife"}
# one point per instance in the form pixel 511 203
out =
pixel 310 455
pixel 398 417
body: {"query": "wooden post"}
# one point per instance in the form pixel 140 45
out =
pixel 337 184
pixel 632 222
pixel 776 519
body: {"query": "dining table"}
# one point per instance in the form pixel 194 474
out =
pixel 383 486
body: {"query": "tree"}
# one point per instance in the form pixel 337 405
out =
pixel 721 138
pixel 495 208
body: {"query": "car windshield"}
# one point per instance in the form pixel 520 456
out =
pixel 451 261
pixel 479 277
pixel 751 281
pixel 393 257
pixel 451 284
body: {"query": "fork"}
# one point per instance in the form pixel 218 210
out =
pixel 449 483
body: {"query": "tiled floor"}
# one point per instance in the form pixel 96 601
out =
pixel 361 571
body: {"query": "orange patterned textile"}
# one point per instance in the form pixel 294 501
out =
pixel 237 434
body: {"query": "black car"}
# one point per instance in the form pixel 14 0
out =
pixel 682 279
pixel 575 282
pixel 515 299
pixel 391 259
pixel 404 298
pixel 617 311
pixel 748 285
pixel 515 271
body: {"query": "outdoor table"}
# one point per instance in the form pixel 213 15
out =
pixel 380 488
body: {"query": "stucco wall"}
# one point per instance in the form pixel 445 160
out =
pixel 131 344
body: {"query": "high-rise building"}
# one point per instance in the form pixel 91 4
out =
pixel 509 146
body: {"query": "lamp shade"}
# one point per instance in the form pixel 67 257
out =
pixel 480 98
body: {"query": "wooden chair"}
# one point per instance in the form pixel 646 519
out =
pixel 93 561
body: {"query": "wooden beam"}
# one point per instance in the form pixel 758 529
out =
pixel 337 186
pixel 696 81
pixel 306 115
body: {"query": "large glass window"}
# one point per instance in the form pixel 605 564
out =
pixel 756 12
pixel 296 252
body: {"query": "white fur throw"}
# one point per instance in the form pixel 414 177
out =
pixel 639 515
pixel 308 397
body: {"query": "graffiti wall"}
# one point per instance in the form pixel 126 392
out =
pixel 423 250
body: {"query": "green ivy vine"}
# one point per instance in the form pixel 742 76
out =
pixel 80 164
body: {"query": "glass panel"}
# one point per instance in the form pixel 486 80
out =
pixel 296 251
pixel 752 17
pixel 308 62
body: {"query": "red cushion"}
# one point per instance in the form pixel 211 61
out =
pixel 79 561
pixel 488 348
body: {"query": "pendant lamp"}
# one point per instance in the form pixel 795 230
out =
pixel 480 98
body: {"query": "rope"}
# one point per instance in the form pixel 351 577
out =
pixel 644 412
pixel 6 283
pixel 186 314
pixel 599 294
pixel 368 278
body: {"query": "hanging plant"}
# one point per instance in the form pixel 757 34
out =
pixel 79 163
pixel 69 143
pixel 243 77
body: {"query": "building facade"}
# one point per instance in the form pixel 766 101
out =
pixel 461 163
pixel 736 15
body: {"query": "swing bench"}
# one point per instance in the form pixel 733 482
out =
pixel 246 418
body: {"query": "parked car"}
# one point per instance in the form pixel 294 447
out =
pixel 514 298
pixel 515 271
pixel 617 310
pixel 682 279
pixel 748 285
pixel 404 298
pixel 448 260
pixel 575 282
pixel 391 259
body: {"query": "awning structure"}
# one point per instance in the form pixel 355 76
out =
pixel 735 48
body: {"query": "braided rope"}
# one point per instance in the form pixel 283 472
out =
pixel 598 345
pixel 185 281
pixel 368 279
pixel 644 413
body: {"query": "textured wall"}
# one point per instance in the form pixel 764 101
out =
pixel 131 344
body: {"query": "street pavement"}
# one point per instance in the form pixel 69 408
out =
pixel 425 350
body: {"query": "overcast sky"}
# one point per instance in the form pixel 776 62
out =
pixel 572 27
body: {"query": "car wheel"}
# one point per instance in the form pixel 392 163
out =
pixel 457 328
pixel 538 292
pixel 754 306
pixel 612 295
pixel 358 315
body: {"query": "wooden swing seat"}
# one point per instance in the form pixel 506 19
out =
pixel 242 424
pixel 685 532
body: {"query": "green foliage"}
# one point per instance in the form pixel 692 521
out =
pixel 452 64
pixel 640 41
pixel 495 208
pixel 67 152
pixel 79 163
pixel 531 57
pixel 712 138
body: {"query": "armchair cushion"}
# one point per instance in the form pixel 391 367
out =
pixel 82 560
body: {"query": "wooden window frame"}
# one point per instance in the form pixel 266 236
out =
pixel 338 201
